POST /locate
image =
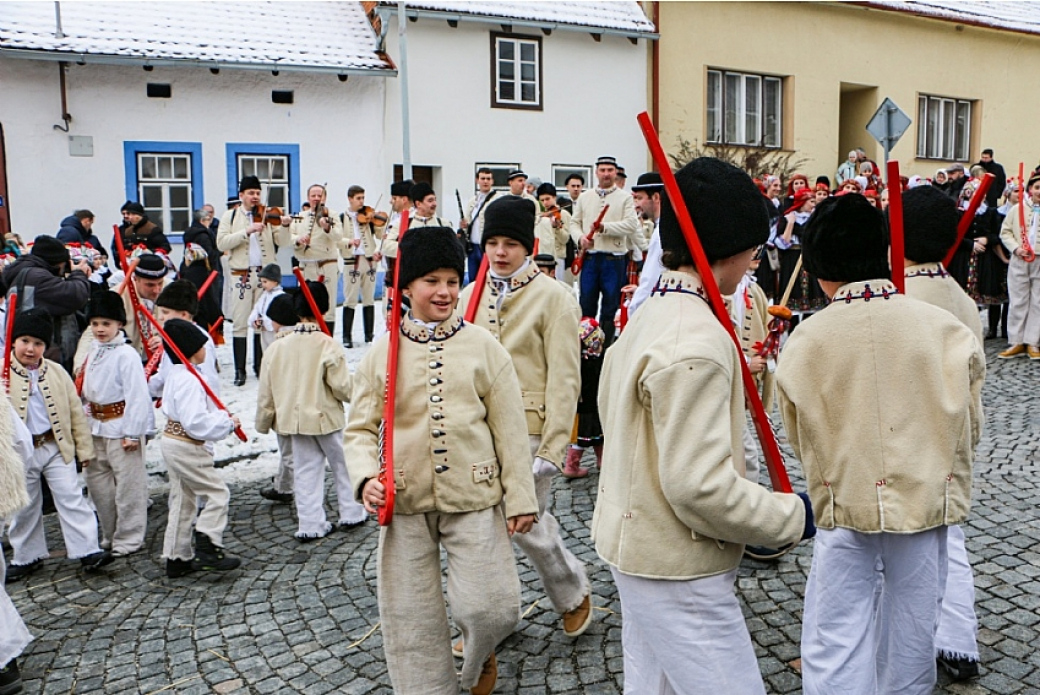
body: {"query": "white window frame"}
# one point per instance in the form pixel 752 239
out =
pixel 943 128
pixel 274 185
pixel 177 175
pixel 560 172
pixel 741 115
pixel 499 170
pixel 518 80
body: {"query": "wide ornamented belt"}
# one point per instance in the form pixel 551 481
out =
pixel 176 430
pixel 109 411
pixel 41 439
pixel 246 271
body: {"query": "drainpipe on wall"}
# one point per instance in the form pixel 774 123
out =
pixel 655 68
pixel 406 140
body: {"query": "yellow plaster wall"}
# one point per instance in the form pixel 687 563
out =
pixel 821 45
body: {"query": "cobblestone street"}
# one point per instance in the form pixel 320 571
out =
pixel 303 618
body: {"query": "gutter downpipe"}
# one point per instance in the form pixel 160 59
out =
pixel 406 140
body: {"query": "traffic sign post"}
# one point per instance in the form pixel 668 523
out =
pixel 888 124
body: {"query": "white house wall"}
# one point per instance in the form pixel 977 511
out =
pixel 592 93
pixel 337 126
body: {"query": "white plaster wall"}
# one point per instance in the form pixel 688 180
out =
pixel 338 126
pixel 591 91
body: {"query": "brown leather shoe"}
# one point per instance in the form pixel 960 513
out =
pixel 577 621
pixel 1034 353
pixel 486 683
pixel 1013 351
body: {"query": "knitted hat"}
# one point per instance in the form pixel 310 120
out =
pixel 510 216
pixel 106 305
pixel 425 249
pixel 151 266
pixel 282 311
pixel 249 183
pixel 419 191
pixel 591 338
pixel 401 188
pixel 134 209
pixel 271 271
pixel 535 181
pixel 650 183
pixel 127 204
pixel 49 249
pixel 545 189
pixel 186 336
pixel 35 323
pixel 321 298
pixel 515 173
pixel 930 221
pixel 726 208
pixel 545 260
pixel 180 295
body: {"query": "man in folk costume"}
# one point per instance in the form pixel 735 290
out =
pixel 603 271
pixel 473 220
pixel 304 383
pixel 424 213
pixel 674 508
pixel 517 181
pixel 930 225
pixel 551 229
pixel 250 244
pixel 537 321
pixel 399 202
pixel 1023 279
pixel 884 501
pixel 647 197
pixel 317 237
pixel 360 256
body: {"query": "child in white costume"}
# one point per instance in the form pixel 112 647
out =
pixel 282 315
pixel 271 282
pixel 44 398
pixel 121 417
pixel 179 300
pixel 1023 280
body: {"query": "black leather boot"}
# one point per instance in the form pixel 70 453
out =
pixel 368 315
pixel 238 347
pixel 211 557
pixel 348 326
pixel 258 355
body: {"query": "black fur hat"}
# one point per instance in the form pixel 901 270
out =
pixel 180 295
pixel 425 249
pixel 188 337
pixel 282 311
pixel 249 183
pixel 726 208
pixel 930 220
pixel 846 240
pixel 401 189
pixel 36 323
pixel 321 298
pixel 419 191
pixel 510 216
pixel 106 305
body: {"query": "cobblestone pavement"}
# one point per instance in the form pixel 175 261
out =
pixel 303 618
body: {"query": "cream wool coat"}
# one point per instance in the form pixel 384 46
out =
pixel 233 240
pixel 323 245
pixel 460 440
pixel 552 240
pixel 304 382
pixel 13 494
pixel 930 283
pixel 673 501
pixel 370 234
pixel 68 421
pixel 1011 230
pixel 620 224
pixel 881 400
pixel 752 329
pixel 539 324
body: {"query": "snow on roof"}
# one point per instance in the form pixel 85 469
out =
pixel 301 36
pixel 622 17
pixel 1020 16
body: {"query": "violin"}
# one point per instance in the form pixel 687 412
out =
pixel 556 213
pixel 368 215
pixel 267 215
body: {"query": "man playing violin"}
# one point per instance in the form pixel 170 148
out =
pixel 317 235
pixel 551 227
pixel 360 254
pixel 249 234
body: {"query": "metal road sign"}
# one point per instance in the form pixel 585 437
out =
pixel 888 124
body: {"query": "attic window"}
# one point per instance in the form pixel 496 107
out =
pixel 159 90
pixel 282 96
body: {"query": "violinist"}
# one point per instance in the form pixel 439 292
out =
pixel 399 201
pixel 317 235
pixel 473 220
pixel 551 225
pixel 249 234
pixel 360 256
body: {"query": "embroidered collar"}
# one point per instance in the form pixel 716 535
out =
pixel 927 270
pixel 418 333
pixel 871 289
pixel 521 278
pixel 306 328
pixel 604 192
pixel 674 281
pixel 23 371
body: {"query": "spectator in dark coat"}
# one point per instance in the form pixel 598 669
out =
pixel 999 178
pixel 138 229
pixel 79 228
pixel 196 269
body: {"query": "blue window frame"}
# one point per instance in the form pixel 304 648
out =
pixel 276 165
pixel 165 177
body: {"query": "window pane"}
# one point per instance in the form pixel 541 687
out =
pixel 179 196
pixel 180 168
pixel 527 71
pixel 714 131
pixel 506 70
pixel 752 92
pixel 506 49
pixel 933 128
pixel 507 91
pixel 527 92
pixel 147 167
pixel 178 220
pixel 732 104
pixel 771 111
pixel 527 51
pixel 949 123
pixel 263 169
pixel 278 169
pixel 151 196
pixel 278 195
pixel 922 126
pixel 165 167
pixel 963 129
pixel 154 214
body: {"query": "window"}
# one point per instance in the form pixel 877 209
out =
pixel 499 171
pixel 272 170
pixel 516 69
pixel 164 189
pixel 744 109
pixel 560 172
pixel 943 128
pixel 276 165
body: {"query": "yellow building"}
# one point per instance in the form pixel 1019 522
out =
pixel 807 77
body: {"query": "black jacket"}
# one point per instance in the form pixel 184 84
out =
pixel 999 182
pixel 72 231
pixel 57 295
pixel 144 232
pixel 205 237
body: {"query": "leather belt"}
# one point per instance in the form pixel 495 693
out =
pixel 176 430
pixel 41 439
pixel 247 271
pixel 320 264
pixel 109 411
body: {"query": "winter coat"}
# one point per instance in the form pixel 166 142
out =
pixel 72 231
pixel 144 232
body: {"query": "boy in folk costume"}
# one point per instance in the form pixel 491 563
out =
pixel 360 257
pixel 303 385
pixel 1023 278
pixel 271 282
pixel 44 397
pixel 180 300
pixel 674 508
pixel 283 317
pixel 930 225
pixel 536 320
pixel 121 417
pixel 913 374
pixel 193 422
pixel 399 202
pixel 317 236
pixel 459 452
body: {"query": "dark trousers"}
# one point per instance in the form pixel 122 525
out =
pixel 473 259
pixel 602 274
